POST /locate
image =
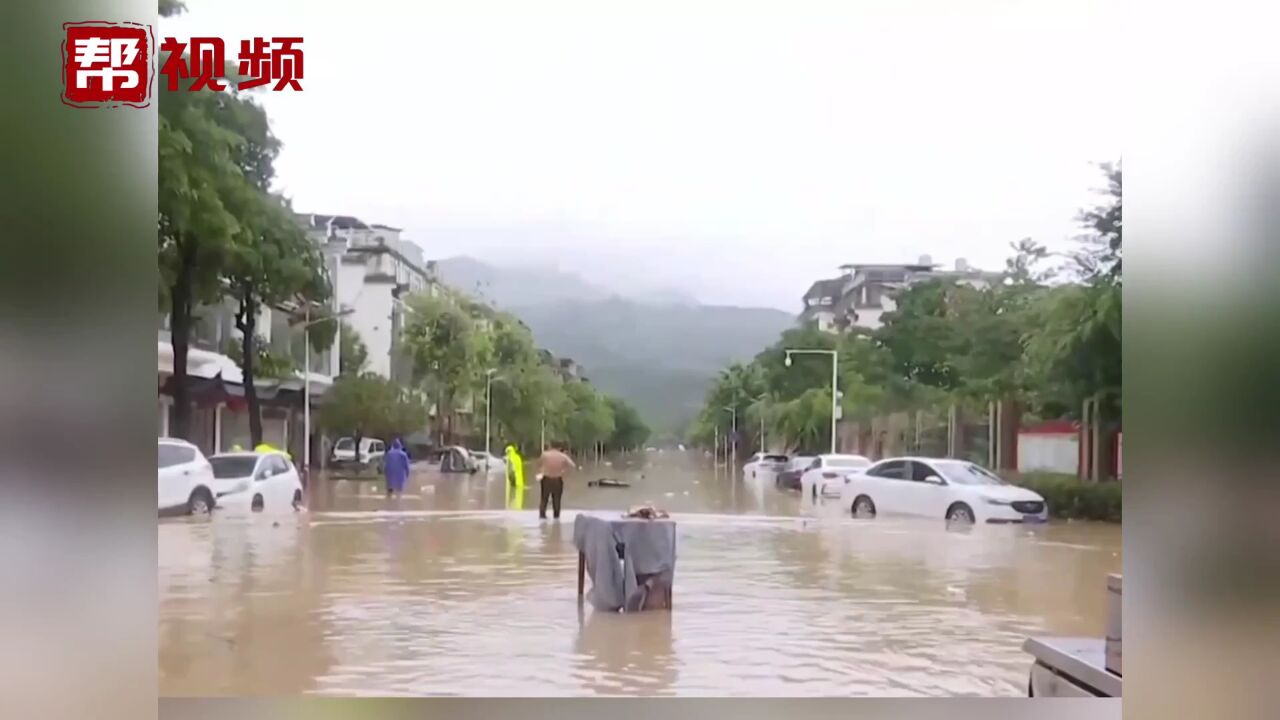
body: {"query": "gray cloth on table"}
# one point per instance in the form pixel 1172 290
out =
pixel 648 548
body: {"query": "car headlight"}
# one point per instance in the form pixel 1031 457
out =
pixel 994 501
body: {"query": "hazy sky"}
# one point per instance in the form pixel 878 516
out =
pixel 736 150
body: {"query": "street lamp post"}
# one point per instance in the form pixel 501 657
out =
pixel 488 393
pixel 731 452
pixel 307 322
pixel 408 309
pixel 761 399
pixel 835 391
pixel 715 451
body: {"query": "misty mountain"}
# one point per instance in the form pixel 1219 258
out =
pixel 508 288
pixel 658 350
pixel 661 358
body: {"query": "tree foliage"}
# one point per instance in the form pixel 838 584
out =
pixel 629 430
pixel 353 355
pixel 447 351
pixel 221 231
pixel 368 405
pixel 1042 336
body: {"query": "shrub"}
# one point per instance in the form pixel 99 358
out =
pixel 1069 498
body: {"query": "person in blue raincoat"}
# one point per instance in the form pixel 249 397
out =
pixel 396 466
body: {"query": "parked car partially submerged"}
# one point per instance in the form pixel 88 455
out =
pixel 945 488
pixel 789 479
pixel 256 480
pixel 764 465
pixel 827 474
pixel 370 453
pixel 185 479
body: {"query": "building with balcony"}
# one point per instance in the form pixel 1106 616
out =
pixel 864 292
pixel 371 266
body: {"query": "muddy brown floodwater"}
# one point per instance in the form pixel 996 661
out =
pixel 458 589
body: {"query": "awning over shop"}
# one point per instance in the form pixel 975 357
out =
pixel 214 390
pixel 200 363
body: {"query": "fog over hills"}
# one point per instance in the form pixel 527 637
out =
pixel 657 349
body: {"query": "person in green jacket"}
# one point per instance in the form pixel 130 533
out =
pixel 515 468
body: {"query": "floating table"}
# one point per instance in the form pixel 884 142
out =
pixel 627 558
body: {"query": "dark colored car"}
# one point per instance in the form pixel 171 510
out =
pixel 789 479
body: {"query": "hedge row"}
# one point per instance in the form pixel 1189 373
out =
pixel 1071 499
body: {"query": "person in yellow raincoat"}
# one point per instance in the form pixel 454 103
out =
pixel 515 468
pixel 264 448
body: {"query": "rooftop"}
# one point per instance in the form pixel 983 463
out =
pixel 914 267
pixel 830 288
pixel 339 222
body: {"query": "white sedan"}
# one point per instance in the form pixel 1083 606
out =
pixel 256 480
pixel 954 490
pixel 185 480
pixel 826 475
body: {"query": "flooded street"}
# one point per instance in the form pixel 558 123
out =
pixel 458 589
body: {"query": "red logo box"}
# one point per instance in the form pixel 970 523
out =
pixel 107 64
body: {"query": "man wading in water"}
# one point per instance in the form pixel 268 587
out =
pixel 553 467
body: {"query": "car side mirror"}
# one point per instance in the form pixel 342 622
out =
pixel 261 475
pixel 935 480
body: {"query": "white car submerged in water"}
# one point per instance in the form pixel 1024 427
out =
pixel 764 466
pixel 256 480
pixel 185 480
pixel 826 475
pixel 943 488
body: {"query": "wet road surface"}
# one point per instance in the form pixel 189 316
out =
pixel 458 589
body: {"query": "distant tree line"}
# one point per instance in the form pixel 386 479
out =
pixel 1046 340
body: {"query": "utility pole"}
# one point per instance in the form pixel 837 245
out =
pixel 715 451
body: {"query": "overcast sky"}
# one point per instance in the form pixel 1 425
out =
pixel 735 150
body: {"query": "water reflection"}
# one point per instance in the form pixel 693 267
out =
pixel 458 588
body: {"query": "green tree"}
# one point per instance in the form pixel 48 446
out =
pixel 270 261
pixel 447 351
pixel 590 420
pixel 1033 337
pixel 524 386
pixel 267 364
pixel 369 405
pixel 353 355
pixel 1074 337
pixel 1099 259
pixel 629 430
pixel 196 168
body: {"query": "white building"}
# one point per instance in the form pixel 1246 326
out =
pixel 370 267
pixel 863 293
